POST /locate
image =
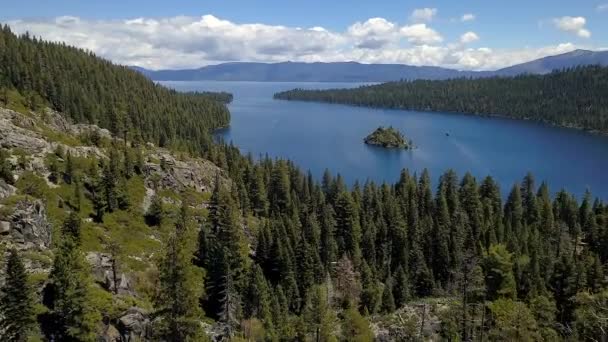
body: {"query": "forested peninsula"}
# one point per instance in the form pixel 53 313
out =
pixel 107 236
pixel 574 97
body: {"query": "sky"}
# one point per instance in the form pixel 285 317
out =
pixel 466 34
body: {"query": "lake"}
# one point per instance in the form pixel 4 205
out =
pixel 318 136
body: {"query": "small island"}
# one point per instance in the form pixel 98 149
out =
pixel 388 138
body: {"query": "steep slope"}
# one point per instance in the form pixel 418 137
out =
pixel 58 168
pixel 92 90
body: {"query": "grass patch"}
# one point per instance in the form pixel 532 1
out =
pixel 135 238
pixel 14 100
pixel 170 194
pixel 43 258
pixel 137 191
pixel 59 137
pixel 33 185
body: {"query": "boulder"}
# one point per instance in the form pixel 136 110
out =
pixel 6 190
pixel 134 325
pixel 102 267
pixel 110 334
pixel 5 227
pixel 177 175
pixel 15 132
pixel 29 226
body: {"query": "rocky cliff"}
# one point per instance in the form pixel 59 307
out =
pixel 120 249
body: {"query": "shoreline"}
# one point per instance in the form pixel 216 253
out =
pixel 483 115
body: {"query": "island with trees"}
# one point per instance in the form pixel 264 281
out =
pixel 388 138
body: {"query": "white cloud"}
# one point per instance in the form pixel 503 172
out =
pixel 420 34
pixel 602 7
pixel 186 42
pixel 467 17
pixel 573 25
pixel 469 37
pixel 423 14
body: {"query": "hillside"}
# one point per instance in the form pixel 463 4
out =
pixel 92 90
pixel 569 98
pixel 357 72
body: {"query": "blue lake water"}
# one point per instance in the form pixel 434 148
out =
pixel 318 136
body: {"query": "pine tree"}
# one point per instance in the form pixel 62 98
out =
pixel 78 196
pixel 53 170
pixel 513 321
pixel 355 327
pixel 257 302
pixel 329 247
pixel 180 290
pixel 371 294
pixel 68 173
pixel 230 302
pixel 127 163
pixel 259 196
pixel 6 169
pixel 401 290
pixel 319 318
pixel 154 214
pixel 98 199
pixel 16 303
pixel 498 267
pixel 71 227
pixel 388 300
pixel 348 229
pixel 440 241
pixel 74 315
pixel 230 237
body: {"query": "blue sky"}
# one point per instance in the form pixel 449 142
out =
pixel 498 33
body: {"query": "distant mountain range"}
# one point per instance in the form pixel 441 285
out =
pixel 357 72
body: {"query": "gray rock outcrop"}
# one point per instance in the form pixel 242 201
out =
pixel 102 266
pixel 134 325
pixel 28 228
pixel 6 190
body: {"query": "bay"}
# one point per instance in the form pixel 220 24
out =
pixel 317 136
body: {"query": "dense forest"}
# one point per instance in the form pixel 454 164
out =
pixel 93 90
pixel 325 258
pixel 572 98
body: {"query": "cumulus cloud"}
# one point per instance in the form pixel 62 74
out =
pixel 469 37
pixel 467 17
pixel 373 33
pixel 423 14
pixel 573 25
pixel 186 42
pixel 420 34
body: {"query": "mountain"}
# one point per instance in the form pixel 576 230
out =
pixel 358 72
pixel 566 60
pixel 305 72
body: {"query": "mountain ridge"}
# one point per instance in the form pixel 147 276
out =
pixel 350 71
